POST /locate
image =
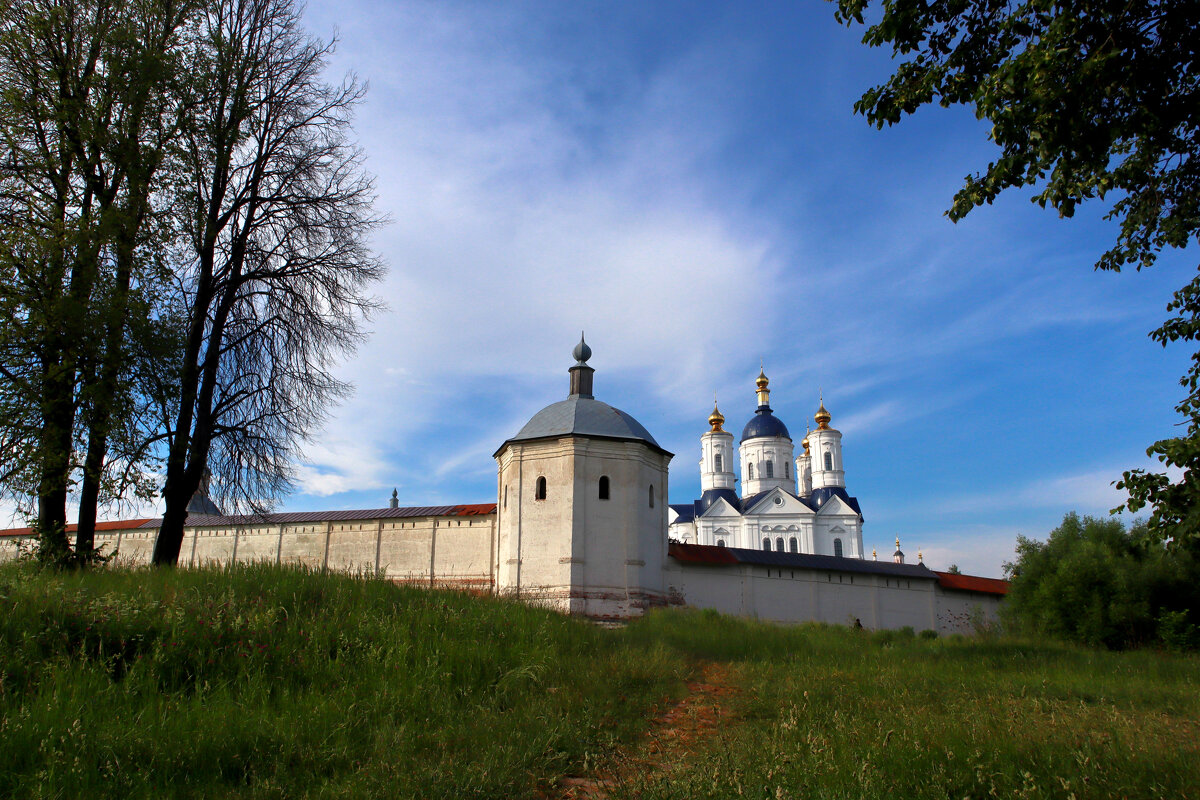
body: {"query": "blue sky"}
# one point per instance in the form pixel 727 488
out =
pixel 689 184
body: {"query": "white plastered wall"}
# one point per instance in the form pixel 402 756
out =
pixel 758 451
pixel 574 551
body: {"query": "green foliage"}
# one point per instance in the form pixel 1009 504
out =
pixel 1087 99
pixel 1092 581
pixel 1175 506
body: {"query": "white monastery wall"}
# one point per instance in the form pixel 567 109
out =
pixel 790 595
pixel 962 612
pixel 460 552
pixel 450 550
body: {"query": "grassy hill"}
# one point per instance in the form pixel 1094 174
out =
pixel 265 682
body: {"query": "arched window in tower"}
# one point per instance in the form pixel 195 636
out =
pixel 837 547
pixel 779 544
pixel 652 495
pixel 750 471
pixel 769 469
pixel 717 462
pixel 793 545
pixel 720 542
pixel 828 460
pixel 787 470
pixel 603 487
pixel 539 491
pixel 766 543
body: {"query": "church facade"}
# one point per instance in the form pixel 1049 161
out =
pixel 581 524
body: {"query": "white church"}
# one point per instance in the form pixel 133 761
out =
pixel 581 524
pixel 800 510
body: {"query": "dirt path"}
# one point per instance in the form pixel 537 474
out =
pixel 672 734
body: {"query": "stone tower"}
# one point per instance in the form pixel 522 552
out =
pixel 582 506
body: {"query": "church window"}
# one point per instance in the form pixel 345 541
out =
pixel 793 545
pixel 787 470
pixel 652 495
pixel 769 468
pixel 750 471
pixel 603 487
pixel 539 491
pixel 720 542
pixel 828 460
pixel 779 544
pixel 717 462
pixel 837 547
pixel 766 543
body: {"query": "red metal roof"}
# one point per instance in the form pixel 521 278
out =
pixel 478 509
pixel 972 583
pixel 100 526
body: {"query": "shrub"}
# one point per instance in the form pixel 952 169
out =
pixel 1095 582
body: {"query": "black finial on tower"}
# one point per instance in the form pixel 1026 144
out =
pixel 581 373
pixel 395 501
pixel 581 352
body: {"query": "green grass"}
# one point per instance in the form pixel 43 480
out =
pixel 836 713
pixel 265 682
pixel 260 682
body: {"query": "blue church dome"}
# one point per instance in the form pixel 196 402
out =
pixel 764 423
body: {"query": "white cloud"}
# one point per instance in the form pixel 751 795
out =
pixel 880 415
pixel 336 464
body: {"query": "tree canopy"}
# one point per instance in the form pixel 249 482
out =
pixel 1095 582
pixel 183 256
pixel 1088 100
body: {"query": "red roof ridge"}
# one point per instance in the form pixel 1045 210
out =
pixel 459 510
pixel 71 527
pixel 972 583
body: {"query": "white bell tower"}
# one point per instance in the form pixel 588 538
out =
pixel 826 449
pixel 804 484
pixel 716 463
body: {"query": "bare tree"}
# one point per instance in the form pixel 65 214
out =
pixel 274 266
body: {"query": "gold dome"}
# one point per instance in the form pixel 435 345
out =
pixel 760 385
pixel 716 419
pixel 822 417
pixel 805 441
